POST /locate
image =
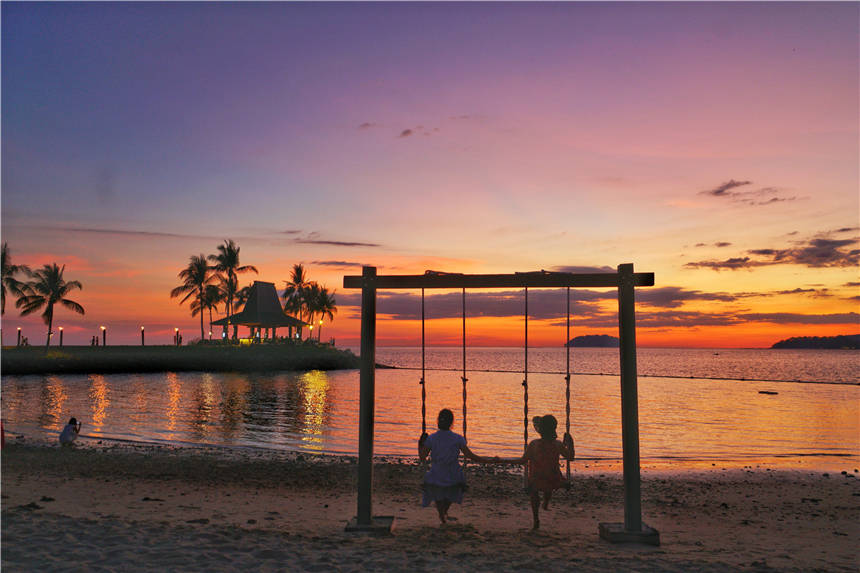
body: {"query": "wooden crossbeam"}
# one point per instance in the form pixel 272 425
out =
pixel 517 280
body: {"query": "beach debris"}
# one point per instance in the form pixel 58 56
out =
pixel 769 392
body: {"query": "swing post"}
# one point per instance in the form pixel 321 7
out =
pixel 364 520
pixel 632 530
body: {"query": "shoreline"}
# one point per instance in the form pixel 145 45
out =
pixel 135 507
pixel 661 467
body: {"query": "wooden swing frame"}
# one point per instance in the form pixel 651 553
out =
pixel 625 280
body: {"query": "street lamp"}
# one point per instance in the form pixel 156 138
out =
pixel 176 336
pixel 19 336
pixel 104 335
pixel 319 332
pixel 142 337
pixel 61 337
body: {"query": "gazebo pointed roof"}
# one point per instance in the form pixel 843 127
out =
pixel 263 309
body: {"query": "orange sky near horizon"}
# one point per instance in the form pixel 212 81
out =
pixel 713 144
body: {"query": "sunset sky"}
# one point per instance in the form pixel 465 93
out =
pixel 715 145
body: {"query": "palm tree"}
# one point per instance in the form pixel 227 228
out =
pixel 242 296
pixel 9 282
pixel 210 301
pixel 296 293
pixel 48 288
pixel 325 305
pixel 228 289
pixel 227 262
pixel 195 277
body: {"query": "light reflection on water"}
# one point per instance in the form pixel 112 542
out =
pixel 318 412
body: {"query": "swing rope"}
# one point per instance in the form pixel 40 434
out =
pixel 567 378
pixel 526 384
pixel 423 386
pixel 463 377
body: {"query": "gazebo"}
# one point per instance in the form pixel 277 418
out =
pixel 262 311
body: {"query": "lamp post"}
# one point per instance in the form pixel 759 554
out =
pixel 311 333
pixel 319 332
pixel 176 336
pixel 61 337
pixel 142 337
pixel 104 335
pixel 19 336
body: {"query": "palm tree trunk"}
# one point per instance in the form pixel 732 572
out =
pixel 50 314
pixel 210 323
pixel 200 302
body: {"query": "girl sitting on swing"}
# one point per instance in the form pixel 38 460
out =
pixel 444 483
pixel 541 457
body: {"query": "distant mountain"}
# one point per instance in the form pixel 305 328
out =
pixel 594 341
pixel 843 341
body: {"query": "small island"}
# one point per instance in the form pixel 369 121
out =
pixel 841 342
pixel 594 341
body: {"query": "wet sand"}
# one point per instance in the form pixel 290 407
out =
pixel 121 507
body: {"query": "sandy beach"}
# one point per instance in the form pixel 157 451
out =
pixel 121 507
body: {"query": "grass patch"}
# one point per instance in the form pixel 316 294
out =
pixel 204 357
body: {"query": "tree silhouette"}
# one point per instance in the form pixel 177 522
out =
pixel 324 305
pixel 211 299
pixel 48 288
pixel 297 294
pixel 195 277
pixel 9 283
pixel 227 263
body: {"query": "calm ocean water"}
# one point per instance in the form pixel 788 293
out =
pixel 695 405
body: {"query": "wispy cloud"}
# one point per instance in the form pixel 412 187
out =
pixel 723 190
pixel 761 196
pixel 368 125
pixel 126 232
pixel 718 244
pixel 795 318
pixel 418 130
pixel 337 264
pixel 817 252
pixel 335 243
pixel 575 269
pixel 732 263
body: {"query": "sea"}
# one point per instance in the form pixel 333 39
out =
pixel 697 407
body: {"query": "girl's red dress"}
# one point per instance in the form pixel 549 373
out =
pixel 544 473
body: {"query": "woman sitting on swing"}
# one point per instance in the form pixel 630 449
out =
pixel 444 483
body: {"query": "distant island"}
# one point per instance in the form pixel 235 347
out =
pixel 841 342
pixel 594 341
